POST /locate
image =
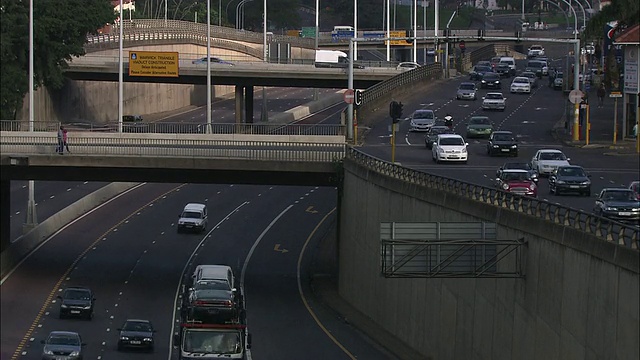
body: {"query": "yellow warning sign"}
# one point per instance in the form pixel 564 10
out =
pixel 398 34
pixel 151 63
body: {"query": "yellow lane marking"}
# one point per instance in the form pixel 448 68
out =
pixel 53 292
pixel 304 300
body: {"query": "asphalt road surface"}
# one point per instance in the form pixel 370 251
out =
pixel 530 117
pixel 129 254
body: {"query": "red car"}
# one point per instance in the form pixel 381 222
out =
pixel 517 182
pixel 635 186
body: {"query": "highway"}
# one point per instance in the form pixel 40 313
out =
pixel 51 197
pixel 530 117
pixel 129 254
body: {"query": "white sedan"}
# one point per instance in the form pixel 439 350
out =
pixel 546 161
pixel 521 85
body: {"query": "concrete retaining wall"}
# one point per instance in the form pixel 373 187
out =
pixel 579 299
pixel 96 102
pixel 29 241
pixel 301 111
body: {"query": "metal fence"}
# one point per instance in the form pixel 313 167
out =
pixel 612 231
pixel 181 128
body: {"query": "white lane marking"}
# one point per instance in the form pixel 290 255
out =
pixel 184 269
pixel 66 226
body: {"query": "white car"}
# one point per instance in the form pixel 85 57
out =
pixel 521 85
pixel 535 50
pixel 449 147
pixel 494 101
pixel 546 161
pixel 405 66
pixel 422 120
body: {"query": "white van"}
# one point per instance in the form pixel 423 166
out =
pixel 193 217
pixel 511 62
pixel 333 59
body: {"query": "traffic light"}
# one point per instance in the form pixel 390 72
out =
pixel 399 110
pixel 408 34
pixel 358 98
pixel 395 111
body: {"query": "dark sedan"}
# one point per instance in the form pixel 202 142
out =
pixel 503 70
pixel 502 143
pixel 478 71
pixel 566 179
pixel 490 81
pixel 136 334
pixel 435 130
pixel 618 204
pixel 76 301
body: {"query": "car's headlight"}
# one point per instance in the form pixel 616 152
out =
pixel 74 353
pixel 497 81
pixel 87 307
pixel 496 146
pixel 48 352
pixel 124 338
pixel 63 306
pixel 514 146
pixel 532 186
pixel 608 208
pixel 464 150
pixel 560 182
pixel 484 81
pixel 586 183
pixel 505 186
pixel 147 339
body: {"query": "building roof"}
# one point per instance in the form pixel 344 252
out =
pixel 629 36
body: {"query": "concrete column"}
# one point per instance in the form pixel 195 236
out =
pixel 5 224
pixel 248 104
pixel 239 100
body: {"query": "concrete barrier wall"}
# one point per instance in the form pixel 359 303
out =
pixel 578 300
pixel 301 111
pixel 26 243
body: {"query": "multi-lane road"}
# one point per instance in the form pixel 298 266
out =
pixel 128 251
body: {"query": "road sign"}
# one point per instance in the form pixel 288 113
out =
pixel 151 63
pixel 398 34
pixel 462 45
pixel 616 94
pixel 349 95
pixel 575 96
pixel 308 32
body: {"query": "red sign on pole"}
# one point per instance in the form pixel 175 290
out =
pixel 349 96
pixel 462 45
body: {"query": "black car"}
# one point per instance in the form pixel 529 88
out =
pixel 618 204
pixel 136 334
pixel 502 143
pixel 519 166
pixel 436 130
pixel 567 179
pixel 478 71
pixel 76 301
pixel 490 81
pixel 503 70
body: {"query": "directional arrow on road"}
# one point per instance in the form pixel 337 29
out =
pixel 277 248
pixel 310 210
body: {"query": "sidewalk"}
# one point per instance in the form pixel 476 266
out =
pixel 601 135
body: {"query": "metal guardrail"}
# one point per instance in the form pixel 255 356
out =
pixel 612 231
pixel 175 147
pixel 180 128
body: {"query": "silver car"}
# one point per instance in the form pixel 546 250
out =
pixel 521 85
pixel 422 120
pixel 494 101
pixel 62 345
pixel 533 78
pixel 467 91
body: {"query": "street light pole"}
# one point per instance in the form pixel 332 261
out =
pixel 165 12
pixel 219 12
pixel 31 220
pixel 436 23
pixel 415 30
pixel 355 27
pixel 388 32
pixel 522 10
pixel 120 71
pixel 209 124
pixel 264 114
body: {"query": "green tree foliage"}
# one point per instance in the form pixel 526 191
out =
pixel 60 31
pixel 625 11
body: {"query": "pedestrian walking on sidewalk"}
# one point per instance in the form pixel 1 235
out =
pixel 64 140
pixel 60 147
pixel 601 94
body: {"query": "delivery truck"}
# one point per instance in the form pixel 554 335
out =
pixel 333 59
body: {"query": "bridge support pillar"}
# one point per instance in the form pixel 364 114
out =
pixel 239 101
pixel 248 104
pixel 5 224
